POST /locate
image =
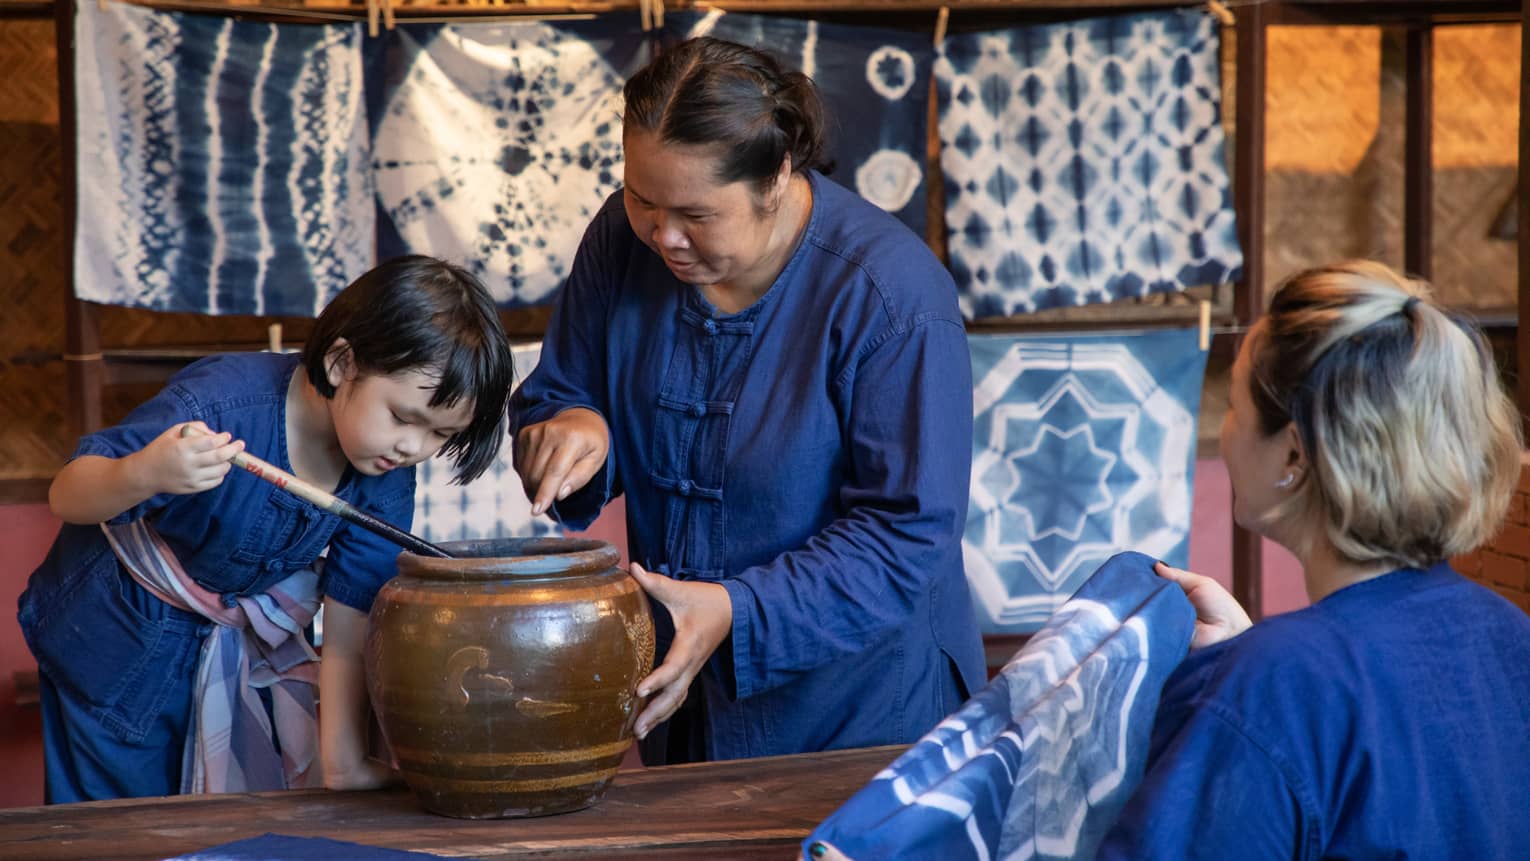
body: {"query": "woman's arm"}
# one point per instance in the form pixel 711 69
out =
pixel 904 500
pixel 557 416
pixel 343 703
pixel 94 488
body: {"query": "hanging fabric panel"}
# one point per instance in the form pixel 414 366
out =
pixel 493 506
pixel 495 145
pixel 223 164
pixel 875 83
pixel 1083 446
pixel 1084 162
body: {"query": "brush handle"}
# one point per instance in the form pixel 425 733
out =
pixel 327 501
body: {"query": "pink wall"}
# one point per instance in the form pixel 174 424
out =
pixel 1211 543
pixel 26 531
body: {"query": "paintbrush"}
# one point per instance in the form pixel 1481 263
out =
pixel 327 501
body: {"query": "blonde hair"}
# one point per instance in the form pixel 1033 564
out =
pixel 1413 445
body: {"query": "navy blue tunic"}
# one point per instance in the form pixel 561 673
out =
pixel 116 662
pixel 811 453
pixel 1388 720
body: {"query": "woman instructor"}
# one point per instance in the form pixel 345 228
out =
pixel 775 374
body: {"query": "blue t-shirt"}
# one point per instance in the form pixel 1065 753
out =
pixel 102 638
pixel 1389 720
pixel 811 453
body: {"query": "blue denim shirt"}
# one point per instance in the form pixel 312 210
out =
pixel 101 637
pixel 810 453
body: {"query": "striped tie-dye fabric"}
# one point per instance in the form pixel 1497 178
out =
pixel 258 644
pixel 223 164
pixel 1039 763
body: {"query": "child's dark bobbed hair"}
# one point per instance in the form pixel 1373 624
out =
pixel 420 313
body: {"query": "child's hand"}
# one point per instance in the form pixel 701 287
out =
pixel 173 463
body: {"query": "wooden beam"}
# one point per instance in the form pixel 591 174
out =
pixel 1418 149
pixel 1248 200
pixel 82 336
pixel 24 491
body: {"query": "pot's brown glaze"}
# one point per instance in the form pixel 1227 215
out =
pixel 505 679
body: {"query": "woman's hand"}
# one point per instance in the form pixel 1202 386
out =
pixel 1218 615
pixel 703 614
pixel 561 455
pixel 181 462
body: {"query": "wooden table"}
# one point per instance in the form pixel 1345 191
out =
pixel 756 808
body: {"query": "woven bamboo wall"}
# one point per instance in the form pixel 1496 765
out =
pixel 31 254
pixel 1335 154
pixel 1335 189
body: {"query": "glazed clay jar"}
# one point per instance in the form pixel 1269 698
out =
pixel 505 679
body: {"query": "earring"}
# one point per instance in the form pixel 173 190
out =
pixel 1286 482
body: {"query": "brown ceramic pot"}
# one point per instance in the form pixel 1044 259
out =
pixel 505 679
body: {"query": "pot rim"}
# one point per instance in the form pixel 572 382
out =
pixel 522 558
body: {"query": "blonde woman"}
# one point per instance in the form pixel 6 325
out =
pixel 1368 434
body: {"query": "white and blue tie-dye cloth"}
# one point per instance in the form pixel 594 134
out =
pixel 493 506
pixel 223 164
pixel 875 84
pixel 1040 762
pixel 495 144
pixel 1084 162
pixel 1083 446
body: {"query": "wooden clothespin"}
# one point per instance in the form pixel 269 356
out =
pixel 1205 325
pixel 372 18
pixel 657 13
pixel 645 16
pixel 387 13
pixel 274 337
pixel 942 18
pixel 1221 13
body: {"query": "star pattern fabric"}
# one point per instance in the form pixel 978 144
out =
pixel 1083 446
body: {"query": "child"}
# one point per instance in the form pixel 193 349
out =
pixel 160 617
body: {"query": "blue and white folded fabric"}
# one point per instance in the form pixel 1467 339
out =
pixel 875 84
pixel 1039 763
pixel 223 165
pixel 1084 162
pixel 495 144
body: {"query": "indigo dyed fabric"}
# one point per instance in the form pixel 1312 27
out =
pixel 495 144
pixel 875 83
pixel 1083 446
pixel 290 848
pixel 1039 763
pixel 1084 162
pixel 493 506
pixel 223 164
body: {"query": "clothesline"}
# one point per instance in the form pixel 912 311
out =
pixel 384 14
